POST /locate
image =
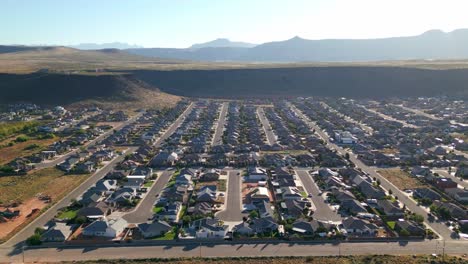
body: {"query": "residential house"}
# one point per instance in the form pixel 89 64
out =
pixel 105 228
pixel 154 229
pixel 209 228
pixel 358 227
pixel 59 232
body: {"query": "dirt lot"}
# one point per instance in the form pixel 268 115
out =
pixel 50 181
pixel 400 179
pixel 25 209
pixel 300 260
pixel 20 149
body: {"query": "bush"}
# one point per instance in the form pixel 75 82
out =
pixel 21 139
pixel 34 240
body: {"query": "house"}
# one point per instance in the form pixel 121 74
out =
pixel 134 182
pixel 290 193
pixel 358 227
pixel 352 207
pixel 209 228
pixel 326 172
pixel 243 229
pixel 59 232
pixel 92 212
pixel 263 225
pixel 171 212
pixel 445 183
pixel 207 194
pixel 370 191
pixel 106 186
pixel 344 137
pixel 390 210
pixel 105 228
pixel 85 167
pixel 454 210
pixel 426 193
pixel 256 174
pixel 69 164
pixel 164 158
pixel 462 171
pixel 260 194
pixel 202 208
pixel 411 228
pixel 209 176
pixel 458 194
pixel 184 179
pixel 265 209
pixel 421 171
pixel 154 229
pixel 311 227
pixel 296 208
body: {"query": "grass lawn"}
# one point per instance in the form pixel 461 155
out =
pixel 168 236
pixel 49 181
pixel 391 224
pixel 157 209
pixel 68 214
pixel 222 185
pixel 304 194
pixel 149 184
pixel 401 179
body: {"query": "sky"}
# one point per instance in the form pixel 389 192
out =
pixel 181 23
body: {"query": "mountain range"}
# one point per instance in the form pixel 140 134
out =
pixel 431 45
pixel 112 45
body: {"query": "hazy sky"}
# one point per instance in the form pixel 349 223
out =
pixel 180 23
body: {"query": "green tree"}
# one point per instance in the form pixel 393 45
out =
pixel 34 240
pixel 253 214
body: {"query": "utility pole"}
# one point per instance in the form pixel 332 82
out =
pixel 443 252
pixel 22 250
pixel 200 250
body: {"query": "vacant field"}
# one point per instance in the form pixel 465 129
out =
pixel 21 149
pixel 50 181
pixel 400 179
pixel 299 260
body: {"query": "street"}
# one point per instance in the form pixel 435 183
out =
pixel 271 138
pixel 217 137
pixel 144 210
pixel 322 211
pixel 233 208
pixel 233 249
pixel 438 227
pixel 52 211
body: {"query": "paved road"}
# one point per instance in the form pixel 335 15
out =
pixel 49 214
pixel 271 138
pixel 144 210
pixel 53 163
pixel 190 249
pixel 387 117
pixel 172 128
pixel 217 137
pixel 322 211
pixel 438 227
pixel 364 127
pixel 233 206
pixel 419 112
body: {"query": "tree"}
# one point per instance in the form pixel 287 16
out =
pixel 34 240
pixel 39 231
pixel 418 218
pixel 253 214
pixel 404 232
pixel 81 220
pixel 186 219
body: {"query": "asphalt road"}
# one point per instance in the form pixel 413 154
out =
pixel 190 249
pixel 52 211
pixel 364 127
pixel 233 203
pixel 418 112
pixel 271 138
pixel 144 210
pixel 217 137
pixel 387 117
pixel 53 163
pixel 322 211
pixel 438 227
pixel 172 128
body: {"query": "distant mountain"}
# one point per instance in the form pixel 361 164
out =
pixel 433 44
pixel 113 45
pixel 222 43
